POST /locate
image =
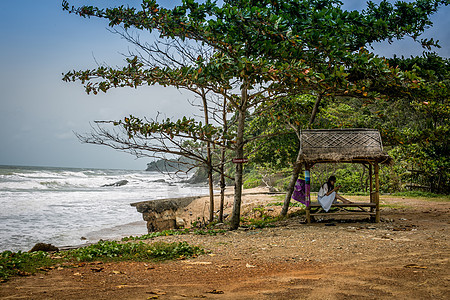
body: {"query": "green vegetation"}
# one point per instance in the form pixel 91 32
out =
pixel 114 251
pixel 354 180
pixel 156 234
pixel 292 204
pixel 260 219
pixel 424 195
pixel 266 221
pixel 271 72
pixel 174 232
pixel 252 178
pixel 24 263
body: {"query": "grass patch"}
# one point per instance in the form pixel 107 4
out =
pixel 280 198
pixel 291 204
pixel 173 232
pixel 357 193
pixel 280 202
pixel 24 263
pixel 259 223
pixel 114 251
pixel 424 195
pixel 156 234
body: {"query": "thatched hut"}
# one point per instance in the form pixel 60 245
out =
pixel 346 146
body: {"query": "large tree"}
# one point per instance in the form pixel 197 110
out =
pixel 268 50
pixel 423 139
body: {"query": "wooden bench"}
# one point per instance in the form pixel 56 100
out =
pixel 363 209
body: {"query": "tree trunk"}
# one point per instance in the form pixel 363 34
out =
pixel 211 194
pixel 290 190
pixel 236 216
pixel 222 197
pixel 222 162
pixel 209 161
pixel 297 165
pixel 235 220
pixel 315 110
pixel 222 184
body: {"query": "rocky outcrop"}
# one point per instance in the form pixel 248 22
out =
pixel 44 247
pixel 118 183
pixel 163 214
pixel 199 177
pixel 171 165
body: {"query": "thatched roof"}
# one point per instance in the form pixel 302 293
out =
pixel 342 145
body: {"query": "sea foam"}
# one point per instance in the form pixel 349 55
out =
pixel 59 206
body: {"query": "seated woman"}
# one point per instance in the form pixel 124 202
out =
pixel 328 194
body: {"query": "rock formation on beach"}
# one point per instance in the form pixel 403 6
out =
pixel 44 247
pixel 163 214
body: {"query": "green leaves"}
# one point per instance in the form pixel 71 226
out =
pixel 181 128
pixel 112 250
pixel 24 263
pixel 267 42
pixel 259 55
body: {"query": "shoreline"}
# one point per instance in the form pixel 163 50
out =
pixel 198 209
pixel 291 260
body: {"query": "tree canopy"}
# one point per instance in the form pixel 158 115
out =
pixel 263 52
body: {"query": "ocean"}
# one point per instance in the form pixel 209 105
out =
pixel 67 206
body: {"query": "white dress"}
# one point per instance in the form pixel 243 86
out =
pixel 324 200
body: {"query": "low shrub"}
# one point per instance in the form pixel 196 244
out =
pixel 173 232
pixel 156 234
pixel 22 263
pixel 111 250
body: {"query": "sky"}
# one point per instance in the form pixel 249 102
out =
pixel 39 113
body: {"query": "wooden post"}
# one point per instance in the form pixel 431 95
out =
pixel 308 193
pixel 377 193
pixel 308 215
pixel 370 182
pixel 371 198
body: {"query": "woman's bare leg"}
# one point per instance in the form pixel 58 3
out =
pixel 346 201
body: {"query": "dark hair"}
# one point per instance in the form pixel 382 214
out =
pixel 330 185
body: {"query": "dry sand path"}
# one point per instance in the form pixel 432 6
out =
pixel 404 257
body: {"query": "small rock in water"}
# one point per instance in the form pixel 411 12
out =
pixel 44 247
pixel 159 180
pixel 118 183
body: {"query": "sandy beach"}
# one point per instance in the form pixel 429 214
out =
pixel 406 256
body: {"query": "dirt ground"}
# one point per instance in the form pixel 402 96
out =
pixel 406 256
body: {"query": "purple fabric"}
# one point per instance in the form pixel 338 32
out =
pixel 300 192
pixel 307 193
